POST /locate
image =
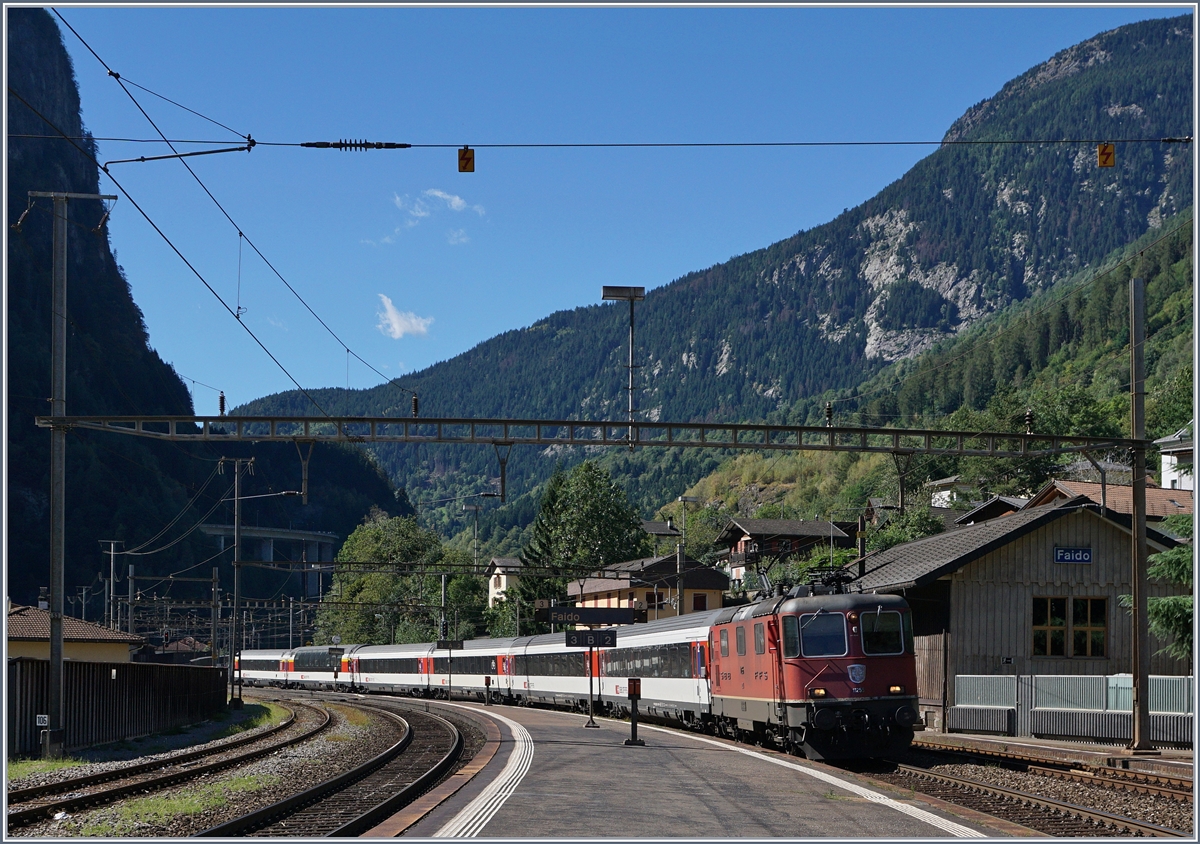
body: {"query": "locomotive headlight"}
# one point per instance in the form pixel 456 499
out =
pixel 895 690
pixel 817 693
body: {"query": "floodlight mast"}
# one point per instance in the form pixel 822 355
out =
pixel 630 295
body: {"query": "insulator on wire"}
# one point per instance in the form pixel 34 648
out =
pixel 350 145
pixel 414 405
pixel 828 414
pixel 221 404
pixel 1029 420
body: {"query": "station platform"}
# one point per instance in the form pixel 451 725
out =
pixel 1169 761
pixel 546 775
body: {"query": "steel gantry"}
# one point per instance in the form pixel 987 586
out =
pixel 576 432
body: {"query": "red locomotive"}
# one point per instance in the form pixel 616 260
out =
pixel 832 676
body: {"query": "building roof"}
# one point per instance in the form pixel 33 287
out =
pixel 650 571
pixel 1181 440
pixel 925 560
pixel 997 505
pixel 660 528
pixel 1160 503
pixel 505 565
pixel 30 624
pixel 737 528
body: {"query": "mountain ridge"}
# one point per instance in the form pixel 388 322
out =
pixel 975 226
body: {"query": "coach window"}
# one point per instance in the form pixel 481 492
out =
pixel 791 637
pixel 760 639
pixel 881 632
pixel 823 634
pixel 724 643
pixel 1049 626
pixel 740 632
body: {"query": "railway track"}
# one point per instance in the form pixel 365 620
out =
pixel 357 800
pixel 1053 817
pixel 1176 789
pixel 41 802
pixel 1105 776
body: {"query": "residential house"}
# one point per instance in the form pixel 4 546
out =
pixel 1176 455
pixel 29 636
pixel 654 582
pixel 997 505
pixel 748 541
pixel 1160 503
pixel 503 574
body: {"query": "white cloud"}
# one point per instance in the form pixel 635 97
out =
pixel 278 323
pixel 457 236
pixel 396 324
pixel 454 203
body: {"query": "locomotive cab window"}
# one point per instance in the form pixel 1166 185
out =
pixel 791 637
pixel 823 634
pixel 760 639
pixel 882 633
pixel 724 643
pixel 741 640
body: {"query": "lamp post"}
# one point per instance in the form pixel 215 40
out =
pixel 630 295
pixel 681 549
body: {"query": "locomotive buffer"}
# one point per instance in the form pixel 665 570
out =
pixel 591 639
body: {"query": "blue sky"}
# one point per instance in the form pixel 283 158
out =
pixel 411 262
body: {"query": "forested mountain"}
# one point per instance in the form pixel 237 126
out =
pixel 976 226
pixel 116 487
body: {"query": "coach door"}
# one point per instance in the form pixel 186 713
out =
pixel 699 672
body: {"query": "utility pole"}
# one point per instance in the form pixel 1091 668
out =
pixel 216 616
pixel 681 550
pixel 235 675
pixel 110 616
pixel 52 739
pixel 1141 633
pixel 83 599
pixel 631 295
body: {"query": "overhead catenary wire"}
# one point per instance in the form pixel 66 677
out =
pixel 181 256
pixel 227 216
pixel 221 500
pixel 178 516
pixel 369 145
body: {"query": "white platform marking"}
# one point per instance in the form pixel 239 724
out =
pixel 474 817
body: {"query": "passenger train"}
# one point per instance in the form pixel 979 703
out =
pixel 824 674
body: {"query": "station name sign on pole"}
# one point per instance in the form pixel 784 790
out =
pixel 590 615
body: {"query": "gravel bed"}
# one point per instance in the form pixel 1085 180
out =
pixel 238 792
pixel 113 757
pixel 1164 811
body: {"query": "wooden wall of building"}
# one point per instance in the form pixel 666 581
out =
pixel 991 613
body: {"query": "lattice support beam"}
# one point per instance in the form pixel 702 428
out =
pixel 543 432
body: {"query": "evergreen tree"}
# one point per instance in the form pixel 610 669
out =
pixel 584 523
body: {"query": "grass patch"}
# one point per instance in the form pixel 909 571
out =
pixel 18 768
pixel 159 810
pixel 258 715
pixel 354 717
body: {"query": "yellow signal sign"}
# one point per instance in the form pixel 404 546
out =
pixel 466 160
pixel 1106 155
